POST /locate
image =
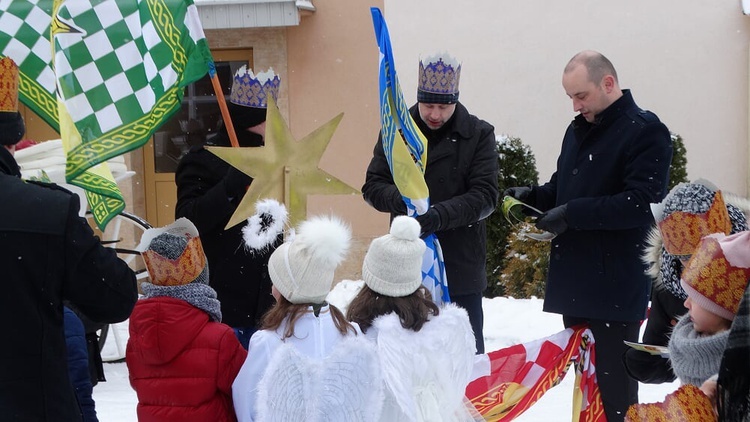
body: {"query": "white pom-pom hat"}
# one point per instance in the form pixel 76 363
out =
pixel 393 263
pixel 302 269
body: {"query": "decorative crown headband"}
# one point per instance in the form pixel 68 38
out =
pixel 176 272
pixel 251 90
pixel 440 75
pixel 714 274
pixel 682 231
pixel 8 85
pixel 687 403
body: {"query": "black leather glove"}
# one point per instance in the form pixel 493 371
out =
pixel 430 222
pixel 236 182
pixel 518 192
pixel 554 221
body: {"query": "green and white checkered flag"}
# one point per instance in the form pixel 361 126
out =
pixel 120 68
pixel 25 37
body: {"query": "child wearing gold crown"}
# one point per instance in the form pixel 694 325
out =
pixel 714 279
pixel 182 360
pixel 689 212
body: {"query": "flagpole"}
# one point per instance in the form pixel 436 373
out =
pixel 223 105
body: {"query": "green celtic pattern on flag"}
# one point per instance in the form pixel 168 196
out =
pixel 120 68
pixel 24 37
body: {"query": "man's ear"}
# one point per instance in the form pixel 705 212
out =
pixel 608 82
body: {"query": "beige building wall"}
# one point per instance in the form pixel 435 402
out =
pixel 333 68
pixel 686 60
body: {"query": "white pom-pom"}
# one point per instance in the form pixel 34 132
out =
pixel 264 227
pixel 406 228
pixel 326 238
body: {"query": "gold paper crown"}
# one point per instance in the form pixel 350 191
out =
pixel 714 280
pixel 252 90
pixel 184 269
pixel 176 272
pixel 686 404
pixel 682 231
pixel 441 75
pixel 8 85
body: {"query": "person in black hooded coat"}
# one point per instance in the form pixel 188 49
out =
pixel 208 193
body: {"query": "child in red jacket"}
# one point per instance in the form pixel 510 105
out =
pixel 182 360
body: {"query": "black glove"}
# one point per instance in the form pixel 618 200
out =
pixel 554 221
pixel 518 192
pixel 236 182
pixel 430 222
pixel 399 206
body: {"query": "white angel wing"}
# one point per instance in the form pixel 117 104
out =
pixel 351 387
pixel 284 392
pixel 346 386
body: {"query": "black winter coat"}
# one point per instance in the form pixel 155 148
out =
pixel 461 174
pixel 48 254
pixel 240 277
pixel 608 173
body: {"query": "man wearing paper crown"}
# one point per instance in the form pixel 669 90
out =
pixel 49 255
pixel 209 191
pixel 177 330
pixel 461 174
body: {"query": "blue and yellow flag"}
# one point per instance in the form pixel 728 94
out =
pixel 105 74
pixel 406 151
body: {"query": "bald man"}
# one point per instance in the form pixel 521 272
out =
pixel 613 163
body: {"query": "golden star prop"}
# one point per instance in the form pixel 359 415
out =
pixel 284 169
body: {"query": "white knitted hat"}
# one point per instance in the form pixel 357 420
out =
pixel 302 269
pixel 393 264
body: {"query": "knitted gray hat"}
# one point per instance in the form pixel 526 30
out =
pixel 302 269
pixel 393 264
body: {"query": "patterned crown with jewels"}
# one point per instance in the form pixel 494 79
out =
pixel 251 90
pixel 440 75
pixel 681 231
pixel 8 85
pixel 717 274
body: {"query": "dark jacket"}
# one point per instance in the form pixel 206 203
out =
pixel 181 364
pixel 48 253
pixel 239 277
pixel 78 364
pixel 461 174
pixel 607 173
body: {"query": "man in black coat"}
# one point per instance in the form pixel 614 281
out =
pixel 208 193
pixel 614 162
pixel 461 174
pixel 48 254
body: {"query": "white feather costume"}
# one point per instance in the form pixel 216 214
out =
pixel 425 371
pixel 316 375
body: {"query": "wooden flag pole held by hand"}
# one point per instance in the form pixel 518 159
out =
pixel 223 106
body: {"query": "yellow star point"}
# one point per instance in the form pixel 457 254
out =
pixel 284 169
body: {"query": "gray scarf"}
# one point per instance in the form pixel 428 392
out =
pixel 694 357
pixel 199 295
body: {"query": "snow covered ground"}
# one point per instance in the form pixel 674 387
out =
pixel 508 321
